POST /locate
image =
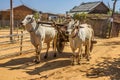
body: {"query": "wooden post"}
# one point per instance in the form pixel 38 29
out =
pixel 17 33
pixel 21 42
pixel 11 20
pixel 111 26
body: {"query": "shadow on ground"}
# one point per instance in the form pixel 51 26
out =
pixel 50 62
pixel 109 67
pixel 49 66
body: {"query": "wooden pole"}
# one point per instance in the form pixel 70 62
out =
pixel 21 43
pixel 111 26
pixel 11 20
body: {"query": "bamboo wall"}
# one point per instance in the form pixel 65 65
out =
pixel 101 24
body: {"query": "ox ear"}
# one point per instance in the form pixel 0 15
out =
pixel 74 25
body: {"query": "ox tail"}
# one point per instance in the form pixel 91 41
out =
pixel 92 41
pixel 91 46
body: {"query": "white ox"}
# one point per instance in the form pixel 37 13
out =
pixel 79 36
pixel 40 34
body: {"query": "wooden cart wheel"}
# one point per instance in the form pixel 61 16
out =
pixel 60 46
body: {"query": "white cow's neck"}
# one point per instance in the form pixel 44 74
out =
pixel 32 26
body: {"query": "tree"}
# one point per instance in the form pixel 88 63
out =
pixel 36 16
pixel 114 4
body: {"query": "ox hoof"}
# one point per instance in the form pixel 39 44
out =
pixel 36 61
pixel 78 63
pixel 88 59
pixel 55 55
pixel 72 63
pixel 45 57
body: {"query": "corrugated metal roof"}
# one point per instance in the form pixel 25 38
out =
pixel 85 7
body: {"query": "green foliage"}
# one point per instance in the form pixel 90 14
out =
pixel 36 15
pixel 76 16
pixel 110 13
pixel 81 16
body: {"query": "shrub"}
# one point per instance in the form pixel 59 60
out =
pixel 81 16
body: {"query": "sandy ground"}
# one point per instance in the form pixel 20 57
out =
pixel 104 65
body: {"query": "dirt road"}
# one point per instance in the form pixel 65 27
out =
pixel 104 65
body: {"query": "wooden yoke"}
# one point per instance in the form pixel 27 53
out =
pixel 57 26
pixel 50 23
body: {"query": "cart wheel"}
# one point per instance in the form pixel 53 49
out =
pixel 60 46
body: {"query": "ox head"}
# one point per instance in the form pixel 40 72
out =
pixel 28 23
pixel 27 20
pixel 72 27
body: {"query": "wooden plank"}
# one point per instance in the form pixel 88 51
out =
pixel 9 48
pixel 6 36
pixel 50 23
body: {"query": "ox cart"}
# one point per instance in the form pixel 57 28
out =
pixel 62 37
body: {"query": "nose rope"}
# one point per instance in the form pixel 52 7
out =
pixel 75 33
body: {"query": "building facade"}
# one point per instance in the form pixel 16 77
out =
pixel 19 14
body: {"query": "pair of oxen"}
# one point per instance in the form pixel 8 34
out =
pixel 79 35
